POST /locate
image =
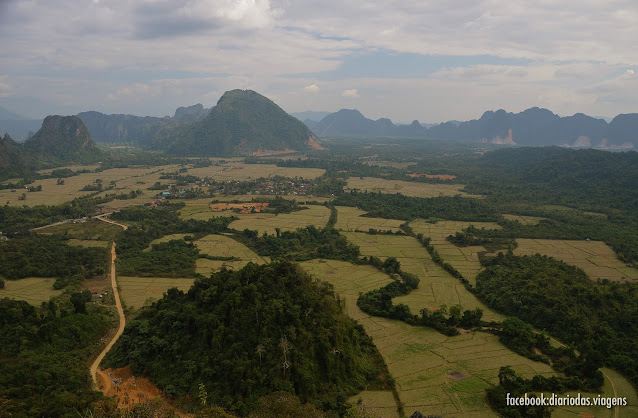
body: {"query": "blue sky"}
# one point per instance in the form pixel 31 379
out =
pixel 426 60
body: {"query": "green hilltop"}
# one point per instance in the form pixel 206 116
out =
pixel 243 122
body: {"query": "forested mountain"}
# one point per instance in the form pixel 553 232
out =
pixel 136 130
pixel 12 163
pixel 242 123
pixel 246 334
pixel 61 139
pixel 533 126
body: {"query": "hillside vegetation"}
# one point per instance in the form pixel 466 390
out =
pixel 246 334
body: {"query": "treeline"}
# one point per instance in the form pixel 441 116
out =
pixel 50 256
pixel 244 334
pixel 600 319
pixel 43 357
pixel 378 302
pixel 397 206
pixel 173 258
pixel 303 244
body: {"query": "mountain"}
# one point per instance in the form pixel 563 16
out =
pixel 12 162
pixel 243 123
pixel 190 113
pixel 9 115
pixel 310 115
pixel 62 139
pixel 533 127
pixel 136 130
pixel 352 122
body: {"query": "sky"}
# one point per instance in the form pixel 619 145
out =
pixel 428 60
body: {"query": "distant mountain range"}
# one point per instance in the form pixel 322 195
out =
pixel 250 123
pixel 532 127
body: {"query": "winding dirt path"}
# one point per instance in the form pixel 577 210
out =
pixel 104 379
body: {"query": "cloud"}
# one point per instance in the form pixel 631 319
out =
pixel 312 88
pixel 350 93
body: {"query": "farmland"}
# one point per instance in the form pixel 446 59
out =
pixel 241 172
pixel 434 373
pixel 126 180
pixel 464 259
pixel 267 222
pixel 33 290
pixel 407 188
pixel 223 246
pixel 436 288
pixel 135 291
pixel 92 229
pixel 524 220
pixel 350 219
pixel 594 257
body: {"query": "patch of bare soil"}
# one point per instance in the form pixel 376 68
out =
pixel 456 375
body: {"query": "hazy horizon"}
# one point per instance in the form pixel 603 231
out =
pixel 402 60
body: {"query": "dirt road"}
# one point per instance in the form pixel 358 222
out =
pixel 104 384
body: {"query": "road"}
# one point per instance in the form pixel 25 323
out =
pixel 95 372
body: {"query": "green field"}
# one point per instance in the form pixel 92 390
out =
pixel 242 172
pixel 350 219
pixel 407 188
pixel 224 246
pixel 33 290
pixel 126 180
pixel 166 238
pixel 92 229
pixel 379 403
pixel 464 259
pixel 524 220
pixel 434 373
pixel 88 243
pixel 136 291
pixel 596 258
pixel 436 288
pixel 266 222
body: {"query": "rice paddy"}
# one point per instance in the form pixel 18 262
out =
pixel 407 188
pixel 464 259
pixel 434 374
pixel 351 219
pixel 596 258
pixel 267 222
pixel 437 287
pixel 138 291
pixel 224 246
pixel 242 172
pixel 33 290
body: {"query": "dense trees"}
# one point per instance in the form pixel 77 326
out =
pixel 600 319
pixel 43 357
pixel 213 335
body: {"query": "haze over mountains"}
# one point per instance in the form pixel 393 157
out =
pixel 245 122
pixel 532 127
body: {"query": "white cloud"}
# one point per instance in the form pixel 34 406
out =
pixel 350 93
pixel 312 88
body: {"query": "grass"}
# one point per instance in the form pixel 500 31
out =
pixel 88 243
pixel 379 403
pixel 33 290
pixel 241 172
pixel 464 259
pixel 524 220
pixel 407 188
pixel 596 258
pixel 136 291
pixel 126 179
pixel 422 360
pixel 166 238
pixel 89 230
pixel 266 222
pixel 436 288
pixel 223 246
pixel 350 219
